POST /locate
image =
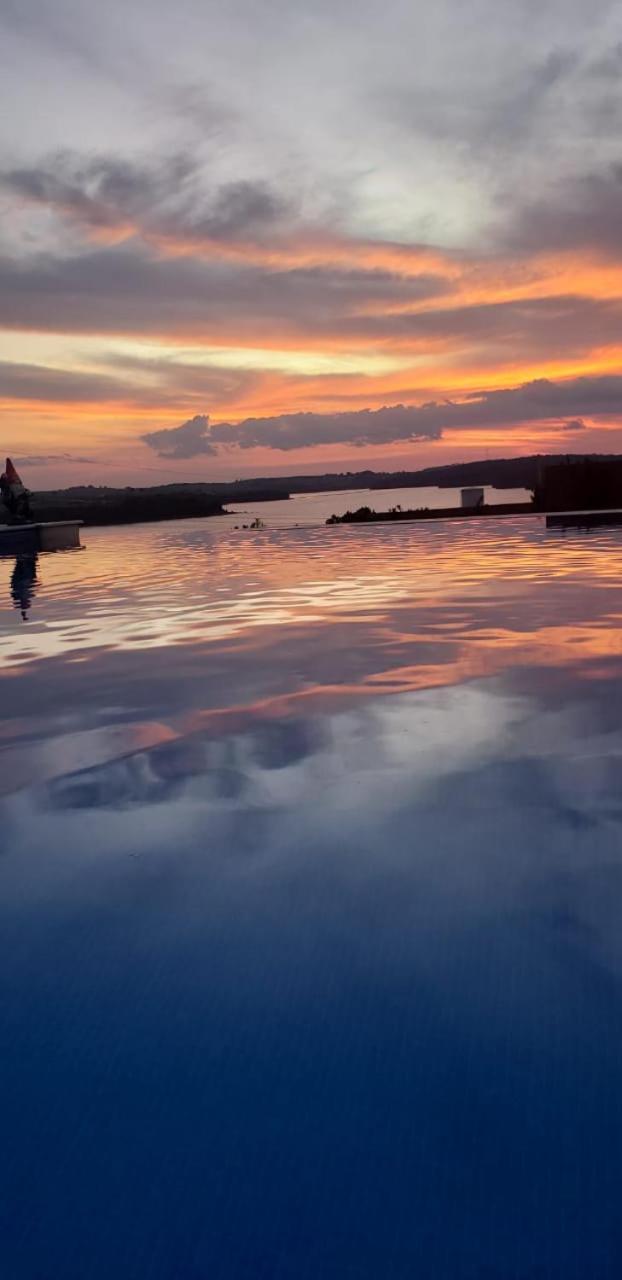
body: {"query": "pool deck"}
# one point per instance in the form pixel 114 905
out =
pixel 57 535
pixel 582 519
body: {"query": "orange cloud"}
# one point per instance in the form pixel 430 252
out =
pixel 432 324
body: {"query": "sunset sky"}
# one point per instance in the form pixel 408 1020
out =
pixel 263 236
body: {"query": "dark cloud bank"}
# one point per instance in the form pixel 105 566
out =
pixel 538 401
pixel 174 197
pixel 166 197
pixel 127 290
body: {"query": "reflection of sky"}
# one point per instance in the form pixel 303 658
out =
pixel 311 959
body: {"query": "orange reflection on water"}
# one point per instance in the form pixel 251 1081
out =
pixel 158 632
pixel 482 595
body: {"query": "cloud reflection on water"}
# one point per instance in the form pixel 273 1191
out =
pixel 311 960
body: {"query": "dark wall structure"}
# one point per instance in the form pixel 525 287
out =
pixel 585 485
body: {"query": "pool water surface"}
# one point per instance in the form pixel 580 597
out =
pixel 311 904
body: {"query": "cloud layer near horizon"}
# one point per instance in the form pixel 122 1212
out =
pixel 537 401
pixel 426 251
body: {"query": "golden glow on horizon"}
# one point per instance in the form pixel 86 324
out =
pixel 140 381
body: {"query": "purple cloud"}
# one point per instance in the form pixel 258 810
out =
pixel 537 401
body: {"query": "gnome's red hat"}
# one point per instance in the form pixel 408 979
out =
pixel 11 473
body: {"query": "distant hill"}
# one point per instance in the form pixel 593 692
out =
pixel 503 473
pixel 120 507
pixel 233 491
pixel 103 504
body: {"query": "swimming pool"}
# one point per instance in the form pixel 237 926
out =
pixel 311 888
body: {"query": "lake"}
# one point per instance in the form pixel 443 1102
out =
pixel 308 509
pixel 310 898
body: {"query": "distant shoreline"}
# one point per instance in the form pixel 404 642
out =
pixel 365 515
pixel 129 510
pixel 105 506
